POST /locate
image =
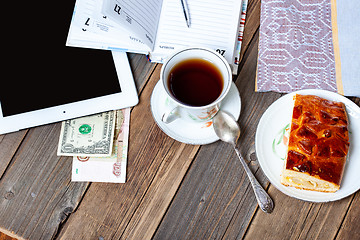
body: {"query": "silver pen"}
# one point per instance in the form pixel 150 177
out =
pixel 186 12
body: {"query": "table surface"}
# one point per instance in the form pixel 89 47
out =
pixel 173 190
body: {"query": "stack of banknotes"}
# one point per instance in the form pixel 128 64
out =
pixel 98 144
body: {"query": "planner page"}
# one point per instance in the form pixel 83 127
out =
pixel 213 24
pixel 139 16
pixel 91 29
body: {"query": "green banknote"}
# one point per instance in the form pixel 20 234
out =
pixel 88 136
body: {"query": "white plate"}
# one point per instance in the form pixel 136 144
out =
pixel 188 132
pixel 269 154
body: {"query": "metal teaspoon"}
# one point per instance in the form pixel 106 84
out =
pixel 228 130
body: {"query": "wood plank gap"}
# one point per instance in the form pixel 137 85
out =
pixel 249 46
pixel 253 216
pixel 148 78
pixel 177 190
pixel 14 154
pixel 250 220
pixel 267 187
pixel 306 217
pixel 222 237
pixel 345 215
pixel 154 207
pixel 63 223
pixel 231 199
pixel 49 202
pixel 210 206
pixel 144 85
pixel 145 192
pixel 60 226
pixel 255 210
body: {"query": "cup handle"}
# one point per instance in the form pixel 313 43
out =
pixel 171 114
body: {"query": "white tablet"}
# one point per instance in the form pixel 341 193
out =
pixel 31 102
pixel 43 81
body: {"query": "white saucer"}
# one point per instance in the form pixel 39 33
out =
pixel 188 132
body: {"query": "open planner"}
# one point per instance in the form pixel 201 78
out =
pixel 157 27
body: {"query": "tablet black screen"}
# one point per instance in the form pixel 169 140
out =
pixel 39 71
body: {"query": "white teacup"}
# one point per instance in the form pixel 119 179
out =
pixel 175 107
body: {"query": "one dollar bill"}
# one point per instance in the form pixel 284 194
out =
pixel 88 136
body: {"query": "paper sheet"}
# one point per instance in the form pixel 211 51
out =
pixel 91 29
pixel 214 24
pixel 139 16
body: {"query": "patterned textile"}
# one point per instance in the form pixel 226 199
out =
pixel 296 47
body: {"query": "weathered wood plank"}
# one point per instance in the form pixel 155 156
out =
pixel 156 166
pixel 9 143
pixel 150 212
pixel 36 192
pixel 297 219
pixel 350 229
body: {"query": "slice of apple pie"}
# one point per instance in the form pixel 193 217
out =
pixel 318 145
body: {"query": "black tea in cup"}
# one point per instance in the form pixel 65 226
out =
pixel 195 82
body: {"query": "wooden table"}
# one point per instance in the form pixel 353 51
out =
pixel 173 190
